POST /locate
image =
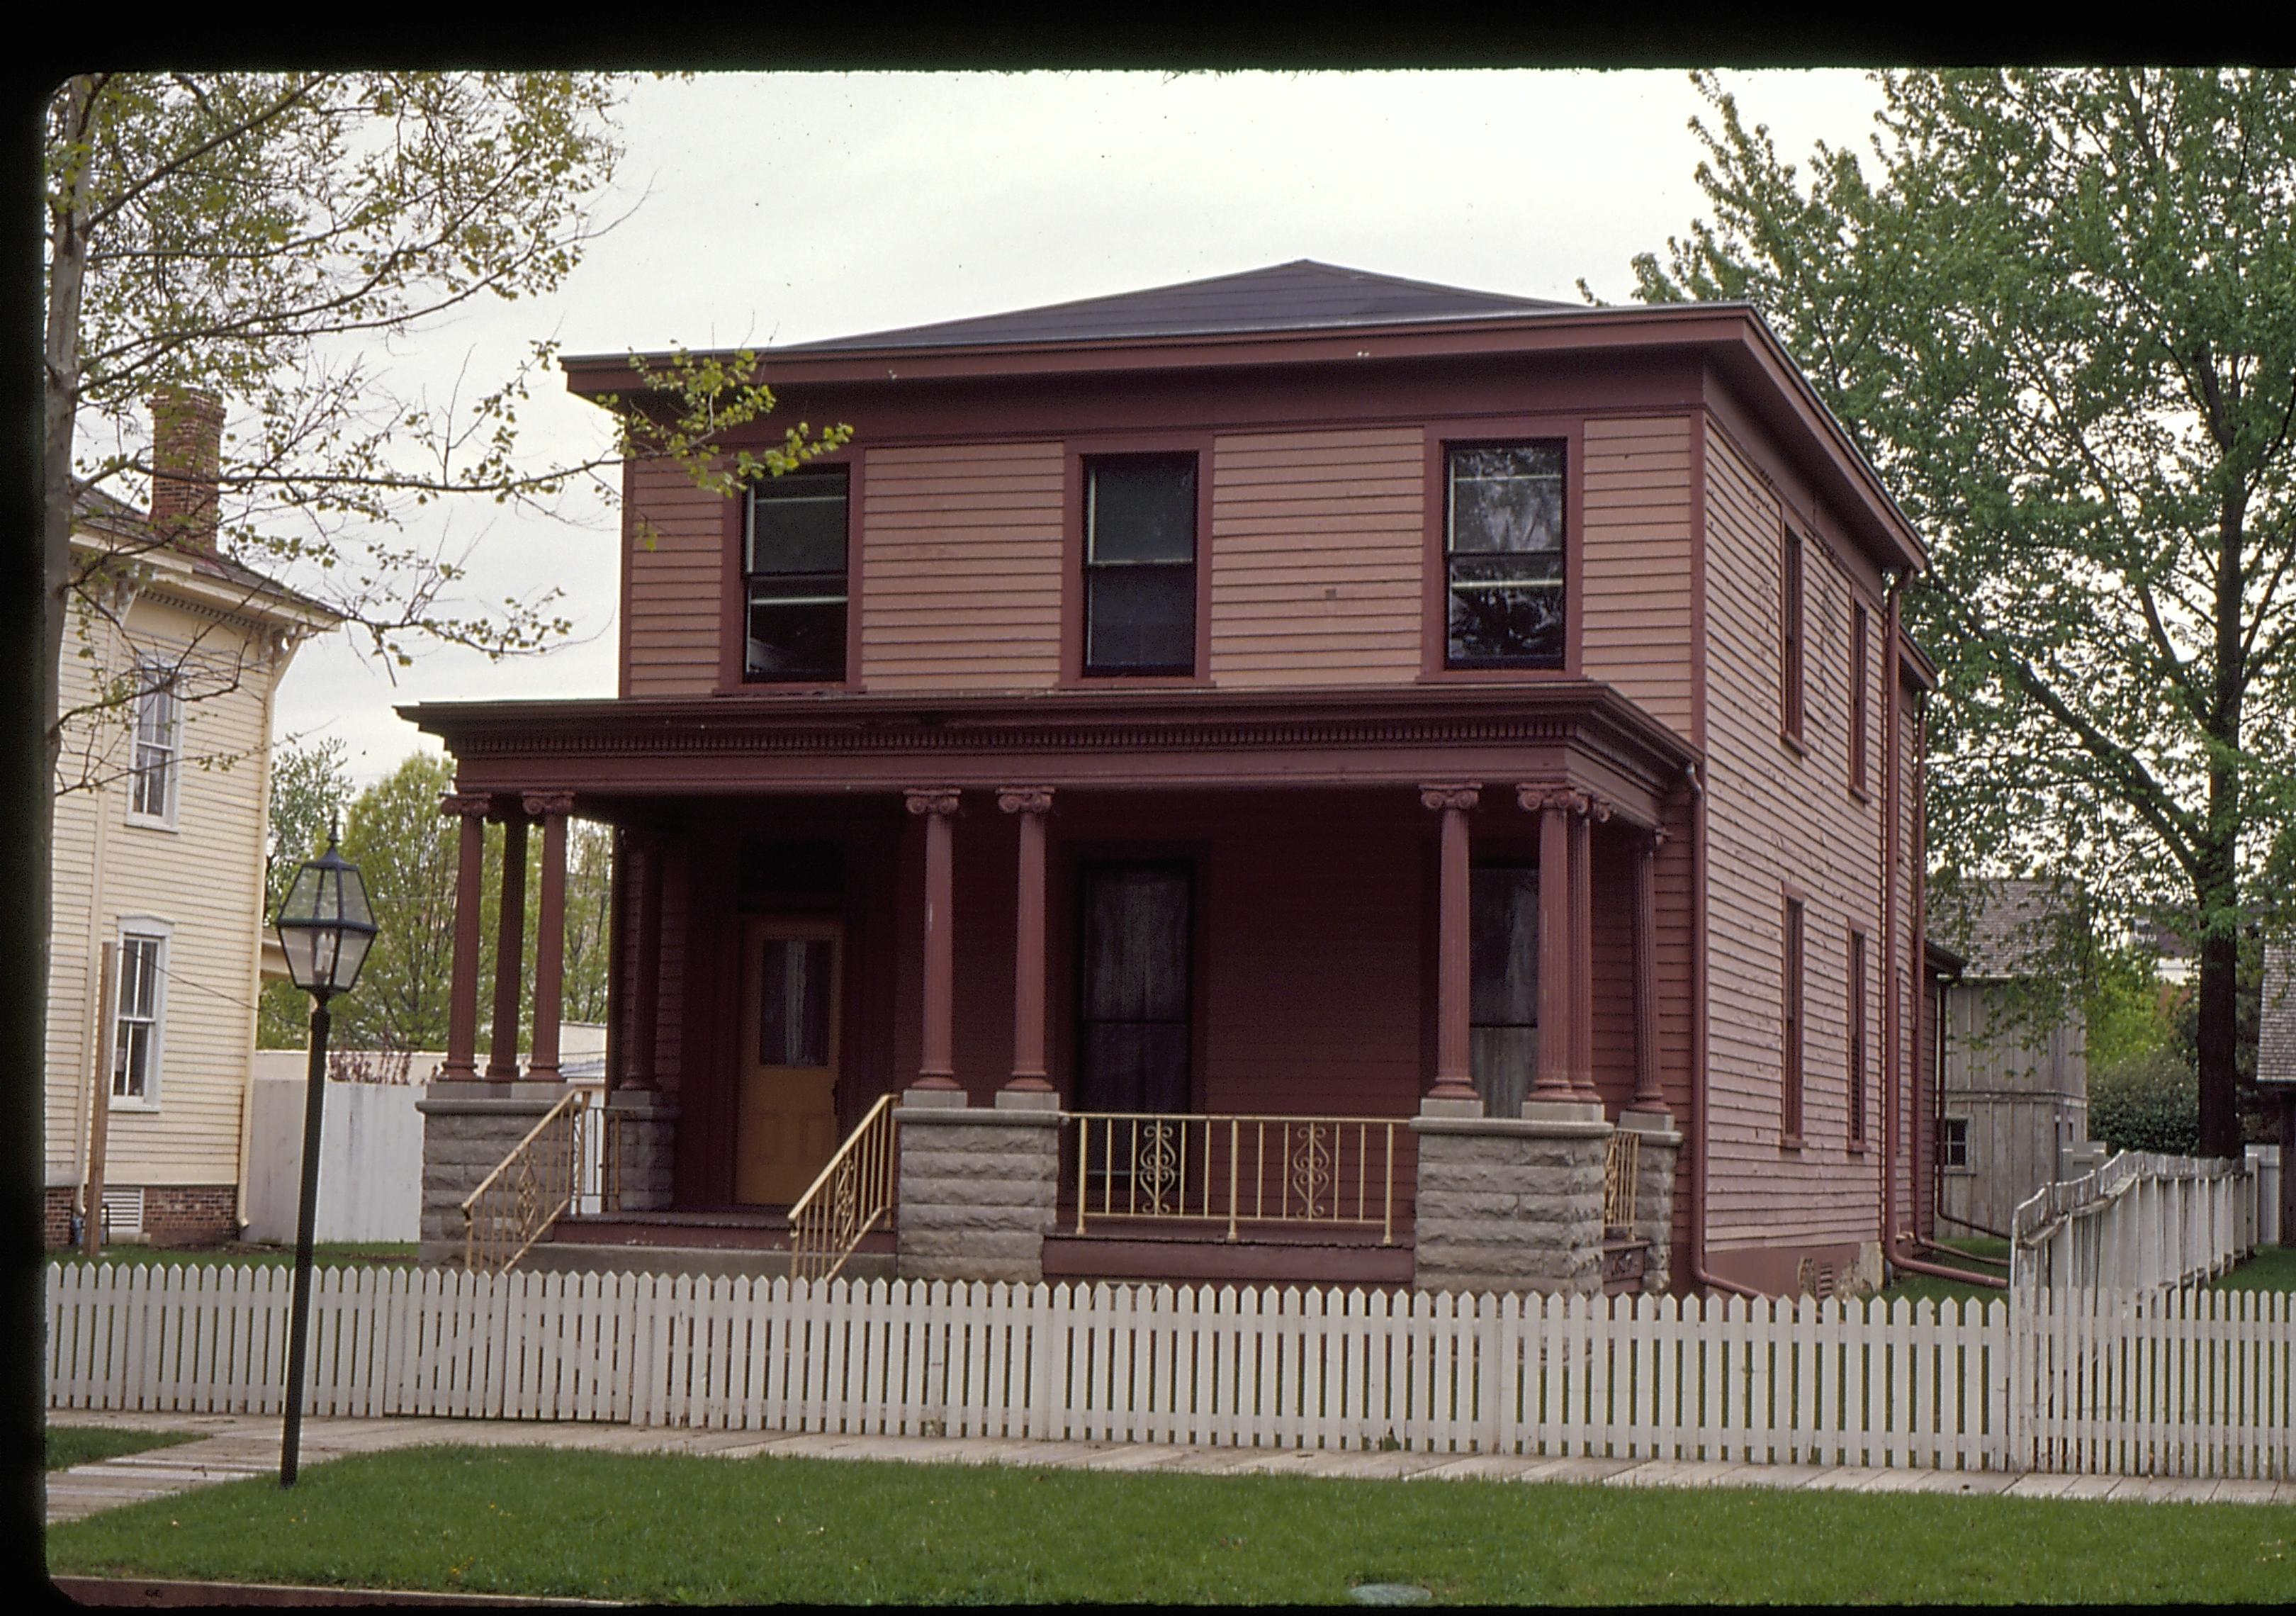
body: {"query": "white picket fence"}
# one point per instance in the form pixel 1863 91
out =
pixel 2138 1222
pixel 1818 1382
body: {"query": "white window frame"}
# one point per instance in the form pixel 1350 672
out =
pixel 1946 1138
pixel 134 929
pixel 156 693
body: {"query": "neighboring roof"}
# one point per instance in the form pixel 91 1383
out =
pixel 101 512
pixel 2275 1026
pixel 1302 295
pixel 2002 929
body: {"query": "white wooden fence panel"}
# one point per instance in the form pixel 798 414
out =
pixel 2122 1381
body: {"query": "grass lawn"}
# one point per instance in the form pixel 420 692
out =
pixel 2272 1268
pixel 676 1528
pixel 368 1253
pixel 70 1445
pixel 1916 1287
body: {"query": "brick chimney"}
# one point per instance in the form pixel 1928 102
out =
pixel 186 463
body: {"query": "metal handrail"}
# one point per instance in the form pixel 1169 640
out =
pixel 1169 1169
pixel 538 1194
pixel 854 1189
pixel 1621 1168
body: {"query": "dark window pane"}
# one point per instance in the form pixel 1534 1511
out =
pixel 1136 946
pixel 1501 624
pixel 1133 1038
pixel 1506 500
pixel 794 1003
pixel 796 635
pixel 1135 1066
pixel 1140 618
pixel 1503 927
pixel 796 523
pixel 1142 510
pixel 1503 1060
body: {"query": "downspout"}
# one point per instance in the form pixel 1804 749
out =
pixel 1699 1273
pixel 1892 1009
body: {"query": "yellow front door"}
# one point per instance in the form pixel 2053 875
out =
pixel 786 1123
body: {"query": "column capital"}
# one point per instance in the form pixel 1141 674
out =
pixel 540 803
pixel 1560 799
pixel 466 805
pixel 1454 794
pixel 938 800
pixel 1025 798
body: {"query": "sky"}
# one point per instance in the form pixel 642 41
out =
pixel 756 208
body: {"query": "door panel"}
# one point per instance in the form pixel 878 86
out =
pixel 785 1125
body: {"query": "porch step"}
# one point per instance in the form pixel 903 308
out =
pixel 575 1257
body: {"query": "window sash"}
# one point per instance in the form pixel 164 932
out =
pixel 1140 557
pixel 1857 1037
pixel 135 1031
pixel 1860 653
pixel 796 622
pixel 1790 1098
pixel 1504 547
pixel 1790 633
pixel 158 744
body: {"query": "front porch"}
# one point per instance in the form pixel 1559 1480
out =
pixel 1333 1016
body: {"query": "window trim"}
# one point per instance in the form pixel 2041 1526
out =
pixel 151 928
pixel 734 678
pixel 1442 437
pixel 1861 709
pixel 1793 1016
pixel 1076 451
pixel 1856 1072
pixel 1946 1138
pixel 156 678
pixel 1793 636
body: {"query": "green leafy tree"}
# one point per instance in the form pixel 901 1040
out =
pixel 310 794
pixel 2058 313
pixel 589 919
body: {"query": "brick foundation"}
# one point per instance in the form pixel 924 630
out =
pixel 56 1217
pixel 174 1214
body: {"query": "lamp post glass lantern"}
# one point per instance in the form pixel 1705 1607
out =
pixel 327 926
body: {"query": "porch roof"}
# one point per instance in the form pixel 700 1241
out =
pixel 1579 733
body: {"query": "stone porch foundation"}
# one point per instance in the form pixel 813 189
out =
pixel 1660 1149
pixel 1510 1204
pixel 978 1186
pixel 468 1127
pixel 644 1136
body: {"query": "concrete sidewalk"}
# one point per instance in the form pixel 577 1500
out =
pixel 233 1446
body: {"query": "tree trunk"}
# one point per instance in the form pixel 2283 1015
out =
pixel 2218 1033
pixel 59 412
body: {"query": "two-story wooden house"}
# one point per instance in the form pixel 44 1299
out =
pixel 1275 777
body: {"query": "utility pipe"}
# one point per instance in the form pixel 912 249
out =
pixel 1699 1272
pixel 1892 1010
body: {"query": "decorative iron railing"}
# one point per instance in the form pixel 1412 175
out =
pixel 515 1204
pixel 1328 1171
pixel 850 1196
pixel 1621 1164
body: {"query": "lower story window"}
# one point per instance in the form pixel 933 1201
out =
pixel 1953 1143
pixel 135 1030
pixel 1503 995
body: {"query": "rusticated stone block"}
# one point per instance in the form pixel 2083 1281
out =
pixel 977 1195
pixel 1506 1204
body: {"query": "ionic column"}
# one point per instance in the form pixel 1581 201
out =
pixel 550 932
pixel 1454 1077
pixel 936 1067
pixel 1031 803
pixel 1558 809
pixel 1582 946
pixel 462 988
pixel 510 949
pixel 1647 1094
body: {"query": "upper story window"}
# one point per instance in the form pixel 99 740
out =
pixel 794 576
pixel 1504 553
pixel 136 1033
pixel 1140 564
pixel 1861 653
pixel 159 745
pixel 1790 634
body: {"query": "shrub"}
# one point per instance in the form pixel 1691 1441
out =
pixel 2148 1102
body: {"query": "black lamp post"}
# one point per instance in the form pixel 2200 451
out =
pixel 326 927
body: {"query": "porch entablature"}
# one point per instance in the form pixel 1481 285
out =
pixel 1575 735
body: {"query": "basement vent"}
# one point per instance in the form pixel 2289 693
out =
pixel 123 1213
pixel 1815 1278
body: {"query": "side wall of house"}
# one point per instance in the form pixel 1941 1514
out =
pixel 199 884
pixel 1782 822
